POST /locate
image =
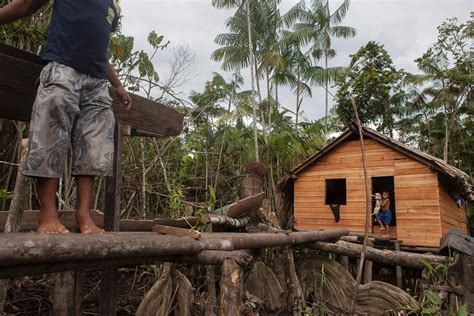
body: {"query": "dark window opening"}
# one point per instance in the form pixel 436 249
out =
pixel 336 191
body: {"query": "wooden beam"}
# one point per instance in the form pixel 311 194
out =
pixel 175 231
pixel 21 248
pixel 205 257
pixel 401 258
pixel 19 72
pixel 265 240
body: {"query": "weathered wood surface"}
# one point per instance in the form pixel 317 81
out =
pixel 17 205
pixel 242 207
pixel 205 257
pixel 67 293
pixel 78 250
pixel 232 288
pixel 175 231
pixel 20 70
pixel 452 217
pixel 20 195
pixel 400 258
pixel 21 248
pixel 29 221
pixel 108 289
pixel 265 240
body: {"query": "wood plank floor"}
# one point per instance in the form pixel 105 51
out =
pixel 392 234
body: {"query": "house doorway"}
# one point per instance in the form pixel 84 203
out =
pixel 380 185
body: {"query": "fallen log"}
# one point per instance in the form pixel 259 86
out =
pixel 397 258
pixel 265 240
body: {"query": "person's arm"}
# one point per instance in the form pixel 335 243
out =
pixel 114 80
pixel 18 9
pixel 386 204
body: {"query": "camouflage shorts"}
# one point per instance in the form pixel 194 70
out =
pixel 72 110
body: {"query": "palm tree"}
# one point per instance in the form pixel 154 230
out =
pixel 296 74
pixel 316 26
pixel 245 5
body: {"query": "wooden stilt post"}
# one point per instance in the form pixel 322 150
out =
pixel 108 296
pixel 232 288
pixel 17 205
pixel 398 268
pixel 211 290
pixel 67 293
pixel 368 266
pixel 344 260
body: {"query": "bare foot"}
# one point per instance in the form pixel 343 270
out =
pixel 381 229
pixel 50 224
pixel 86 224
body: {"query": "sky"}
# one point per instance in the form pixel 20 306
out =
pixel 406 28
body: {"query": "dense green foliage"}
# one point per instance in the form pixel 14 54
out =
pixel 431 110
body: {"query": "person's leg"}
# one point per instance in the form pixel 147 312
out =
pixel 380 222
pixel 85 186
pixel 48 220
pixel 52 117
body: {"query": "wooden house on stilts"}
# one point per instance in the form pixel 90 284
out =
pixel 428 195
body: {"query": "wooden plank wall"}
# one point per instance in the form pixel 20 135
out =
pixel 452 216
pixel 416 192
pixel 417 204
pixel 344 161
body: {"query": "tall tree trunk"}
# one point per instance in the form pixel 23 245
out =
pixel 326 82
pixel 446 129
pixel 143 178
pixel 252 97
pixel 297 110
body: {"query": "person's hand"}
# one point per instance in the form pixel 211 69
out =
pixel 124 97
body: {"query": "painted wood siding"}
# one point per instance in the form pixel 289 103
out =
pixel 452 217
pixel 417 203
pixel 416 192
pixel 343 162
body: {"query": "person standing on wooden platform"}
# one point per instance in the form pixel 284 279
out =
pixel 385 216
pixel 73 108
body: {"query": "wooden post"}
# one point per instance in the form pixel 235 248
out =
pixel 398 268
pixel 345 261
pixel 368 266
pixel 15 213
pixel 232 288
pixel 108 296
pixel 67 293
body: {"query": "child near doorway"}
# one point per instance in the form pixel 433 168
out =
pixel 385 216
